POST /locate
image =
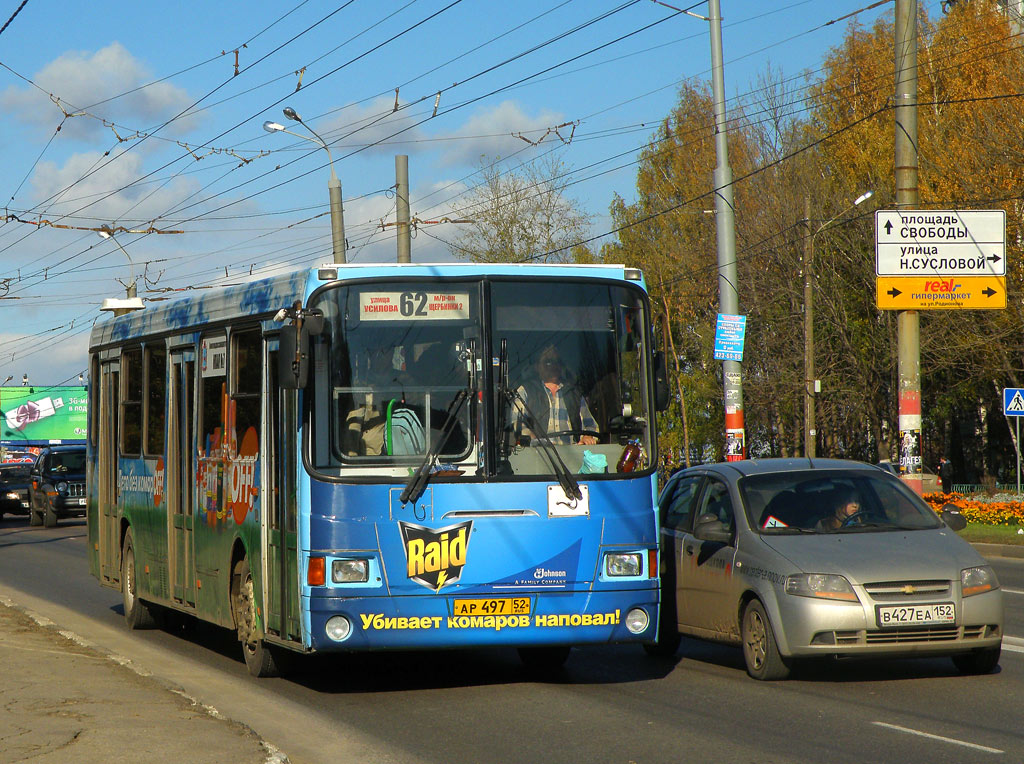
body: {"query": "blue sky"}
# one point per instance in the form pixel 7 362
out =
pixel 134 116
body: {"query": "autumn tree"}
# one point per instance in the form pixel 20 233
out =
pixel 520 214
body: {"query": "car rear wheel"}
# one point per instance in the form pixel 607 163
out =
pixel 760 652
pixel 978 661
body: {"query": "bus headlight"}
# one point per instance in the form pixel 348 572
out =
pixel 338 628
pixel 637 620
pixel 623 564
pixel 350 571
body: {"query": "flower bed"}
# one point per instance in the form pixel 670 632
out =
pixel 1000 509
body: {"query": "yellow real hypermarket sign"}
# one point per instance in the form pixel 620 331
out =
pixel 934 292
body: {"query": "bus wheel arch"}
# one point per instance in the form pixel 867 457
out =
pixel 137 613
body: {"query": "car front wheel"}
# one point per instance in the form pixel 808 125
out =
pixel 760 651
pixel 978 661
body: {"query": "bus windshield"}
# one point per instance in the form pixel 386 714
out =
pixel 562 364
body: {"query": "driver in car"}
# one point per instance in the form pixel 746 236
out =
pixel 556 402
pixel 846 509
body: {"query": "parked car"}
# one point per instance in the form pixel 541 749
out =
pixel 797 558
pixel 14 486
pixel 929 480
pixel 58 485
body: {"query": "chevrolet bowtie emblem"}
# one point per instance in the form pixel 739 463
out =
pixel 909 589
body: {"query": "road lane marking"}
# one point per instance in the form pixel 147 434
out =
pixel 1013 644
pixel 940 738
pixel 1013 591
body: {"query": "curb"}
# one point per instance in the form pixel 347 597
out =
pixel 999 550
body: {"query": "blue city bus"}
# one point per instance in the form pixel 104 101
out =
pixel 368 457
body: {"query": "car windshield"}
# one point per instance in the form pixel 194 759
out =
pixel 839 501
pixel 67 461
pixel 14 473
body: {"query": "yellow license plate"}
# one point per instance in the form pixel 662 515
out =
pixel 493 606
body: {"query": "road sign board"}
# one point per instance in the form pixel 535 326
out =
pixel 930 292
pixel 940 242
pixel 1013 401
pixel 729 333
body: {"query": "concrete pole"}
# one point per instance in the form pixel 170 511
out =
pixel 810 434
pixel 402 227
pixel 728 299
pixel 337 218
pixel 908 321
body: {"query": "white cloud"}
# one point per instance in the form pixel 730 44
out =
pixel 99 192
pixel 81 80
pixel 493 132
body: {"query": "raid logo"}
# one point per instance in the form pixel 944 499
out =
pixel 435 558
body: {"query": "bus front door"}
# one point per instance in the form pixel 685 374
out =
pixel 110 543
pixel 181 477
pixel 280 460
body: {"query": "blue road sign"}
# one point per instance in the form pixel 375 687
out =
pixel 1013 401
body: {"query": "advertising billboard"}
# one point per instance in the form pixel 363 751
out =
pixel 40 415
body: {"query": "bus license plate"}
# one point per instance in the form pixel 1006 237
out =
pixel 493 606
pixel 916 615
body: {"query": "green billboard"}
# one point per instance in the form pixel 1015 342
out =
pixel 41 415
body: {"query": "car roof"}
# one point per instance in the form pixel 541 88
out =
pixel 746 467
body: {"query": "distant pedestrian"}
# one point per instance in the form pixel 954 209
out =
pixel 945 471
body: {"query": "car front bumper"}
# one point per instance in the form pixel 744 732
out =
pixel 810 627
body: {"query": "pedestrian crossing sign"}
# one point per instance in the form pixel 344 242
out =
pixel 1013 401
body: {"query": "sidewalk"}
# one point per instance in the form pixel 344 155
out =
pixel 67 702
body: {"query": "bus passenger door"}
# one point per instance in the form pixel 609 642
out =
pixel 280 461
pixel 109 540
pixel 181 477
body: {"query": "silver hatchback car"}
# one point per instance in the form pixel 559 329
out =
pixel 794 558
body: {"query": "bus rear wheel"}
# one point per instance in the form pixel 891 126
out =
pixel 259 656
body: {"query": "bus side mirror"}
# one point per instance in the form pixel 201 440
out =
pixel 293 357
pixel 661 394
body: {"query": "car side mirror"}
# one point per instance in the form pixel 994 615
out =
pixel 709 528
pixel 950 514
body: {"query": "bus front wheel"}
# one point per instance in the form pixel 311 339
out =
pixel 137 613
pixel 259 656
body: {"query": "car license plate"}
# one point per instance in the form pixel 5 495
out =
pixel 81 502
pixel 915 615
pixel 493 606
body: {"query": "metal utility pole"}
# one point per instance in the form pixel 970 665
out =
pixel 403 227
pixel 908 325
pixel 728 300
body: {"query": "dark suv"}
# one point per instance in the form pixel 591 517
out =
pixel 14 483
pixel 58 485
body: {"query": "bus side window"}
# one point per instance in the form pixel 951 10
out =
pixel 246 378
pixel 131 402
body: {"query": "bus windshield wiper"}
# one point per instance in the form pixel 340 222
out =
pixel 418 482
pixel 566 480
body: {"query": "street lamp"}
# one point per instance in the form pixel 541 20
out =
pixel 333 185
pixel 810 383
pixel 131 301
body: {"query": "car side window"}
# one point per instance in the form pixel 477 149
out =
pixel 716 501
pixel 678 513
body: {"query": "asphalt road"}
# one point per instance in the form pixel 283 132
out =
pixel 608 705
